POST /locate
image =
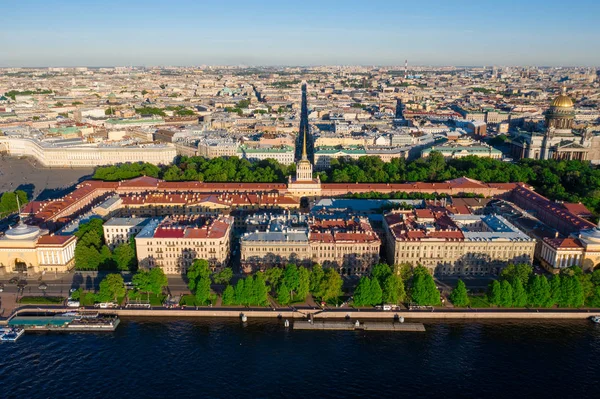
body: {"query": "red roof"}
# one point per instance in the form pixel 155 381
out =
pixel 54 240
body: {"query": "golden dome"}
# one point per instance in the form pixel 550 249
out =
pixel 563 101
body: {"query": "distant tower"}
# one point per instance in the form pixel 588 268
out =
pixel 304 167
pixel 405 69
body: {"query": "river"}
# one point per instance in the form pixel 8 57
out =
pixel 152 358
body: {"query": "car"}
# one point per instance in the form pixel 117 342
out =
pixel 72 290
pixel 13 280
pixel 73 304
pixel 129 285
pixel 43 286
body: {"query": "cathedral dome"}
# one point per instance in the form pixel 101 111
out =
pixel 562 101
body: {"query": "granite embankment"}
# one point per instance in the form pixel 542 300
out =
pixel 471 314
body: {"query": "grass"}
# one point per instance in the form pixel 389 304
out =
pixel 41 300
pixel 155 300
pixel 188 300
pixel 479 301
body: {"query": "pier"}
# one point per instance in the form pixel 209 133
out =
pixel 358 326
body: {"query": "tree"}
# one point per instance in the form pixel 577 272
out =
pixel 291 278
pixel 506 294
pixel 260 290
pixel 405 271
pixel 157 280
pixel 198 270
pixel 273 277
pixel 376 294
pixel 303 283
pixel 331 285
pixel 76 295
pixel 381 272
pixel 539 292
pixel 362 293
pixel 495 293
pixel 555 290
pixel 202 291
pixel 141 281
pixel 283 294
pixel 518 293
pixel 459 296
pixel 240 292
pixel 423 290
pixel 111 287
pixel 521 271
pixel 224 276
pixel 124 257
pixel 228 296
pixel 393 290
pixel 316 278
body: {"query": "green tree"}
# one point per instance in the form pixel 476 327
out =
pixel 519 271
pixel 259 290
pixel 291 278
pixel 198 270
pixel 376 295
pixel 76 295
pixel 316 278
pixel 381 272
pixel 303 283
pixel 228 296
pixel 495 293
pixel 224 276
pixel 283 294
pixel 555 290
pixel 423 290
pixel 506 294
pixel 202 291
pixel 405 271
pixel 141 282
pixel 539 292
pixel 111 287
pixel 157 280
pixel 393 290
pixel 518 293
pixel 331 285
pixel 362 293
pixel 273 277
pixel 240 292
pixel 459 296
pixel 124 257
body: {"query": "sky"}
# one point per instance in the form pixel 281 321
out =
pixel 305 32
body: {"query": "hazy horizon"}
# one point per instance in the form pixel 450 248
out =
pixel 311 33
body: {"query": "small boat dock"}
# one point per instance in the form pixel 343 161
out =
pixel 358 326
pixel 11 334
pixel 65 322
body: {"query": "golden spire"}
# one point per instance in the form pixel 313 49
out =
pixel 304 156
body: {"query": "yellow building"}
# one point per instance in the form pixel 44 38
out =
pixel 29 249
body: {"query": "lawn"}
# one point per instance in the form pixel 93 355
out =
pixel 479 301
pixel 41 300
pixel 190 300
pixel 142 297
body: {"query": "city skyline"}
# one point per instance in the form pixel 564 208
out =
pixel 38 34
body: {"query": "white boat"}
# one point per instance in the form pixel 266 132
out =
pixel 595 319
pixel 12 335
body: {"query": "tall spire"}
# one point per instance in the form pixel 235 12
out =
pixel 304 155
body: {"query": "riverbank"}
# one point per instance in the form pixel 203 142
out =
pixel 337 314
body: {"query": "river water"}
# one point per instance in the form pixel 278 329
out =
pixel 151 358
